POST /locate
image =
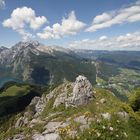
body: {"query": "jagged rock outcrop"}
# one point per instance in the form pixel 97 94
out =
pixel 37 104
pixel 70 95
pixel 50 95
pixel 39 107
pixel 81 95
pixel 61 99
pixel 21 122
pixel 34 101
pixel 82 92
pixel 34 109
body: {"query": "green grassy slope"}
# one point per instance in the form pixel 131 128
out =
pixel 15 98
pixel 114 129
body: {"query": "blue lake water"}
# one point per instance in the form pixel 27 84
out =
pixel 7 79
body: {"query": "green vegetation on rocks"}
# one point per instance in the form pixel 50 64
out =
pixel 104 118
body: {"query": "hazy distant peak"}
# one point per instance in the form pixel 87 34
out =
pixel 27 43
pixel 3 48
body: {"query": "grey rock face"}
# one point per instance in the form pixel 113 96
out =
pixel 18 137
pixel 51 127
pixel 35 121
pixel 60 99
pixel 21 122
pixel 51 136
pixel 81 95
pixel 84 120
pixel 38 137
pixel 50 96
pixel 38 104
pixel 39 107
pixel 82 92
pixel 34 101
pixel 81 119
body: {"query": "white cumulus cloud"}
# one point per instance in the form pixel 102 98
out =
pixel 23 17
pixel 124 15
pixel 68 26
pixel 103 37
pixel 129 41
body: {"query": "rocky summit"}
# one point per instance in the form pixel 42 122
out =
pixel 81 95
pixel 82 92
pixel 72 111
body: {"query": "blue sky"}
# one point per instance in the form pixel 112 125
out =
pixel 86 24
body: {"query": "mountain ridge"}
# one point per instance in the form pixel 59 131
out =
pixel 25 60
pixel 70 111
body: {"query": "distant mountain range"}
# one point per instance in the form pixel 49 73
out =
pixel 129 59
pixel 33 62
pixel 39 64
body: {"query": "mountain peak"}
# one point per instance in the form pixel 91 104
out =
pixel 26 44
pixel 2 48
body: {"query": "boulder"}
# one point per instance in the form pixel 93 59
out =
pixel 106 116
pixel 35 121
pixel 103 100
pixel 81 119
pixel 84 121
pixel 51 127
pixel 123 115
pixel 50 136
